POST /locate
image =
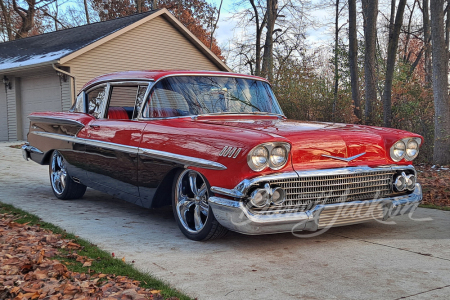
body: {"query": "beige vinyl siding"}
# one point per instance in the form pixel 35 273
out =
pixel 12 111
pixel 3 116
pixel 66 93
pixel 154 45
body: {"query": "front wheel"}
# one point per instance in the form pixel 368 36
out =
pixel 191 209
pixel 62 185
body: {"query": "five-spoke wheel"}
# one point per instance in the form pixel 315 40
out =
pixel 191 209
pixel 62 185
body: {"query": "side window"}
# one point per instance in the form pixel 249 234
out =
pixel 79 105
pixel 96 101
pixel 124 100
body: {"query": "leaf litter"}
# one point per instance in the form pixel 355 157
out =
pixel 29 269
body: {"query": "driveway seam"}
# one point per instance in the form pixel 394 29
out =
pixel 438 288
pixel 402 249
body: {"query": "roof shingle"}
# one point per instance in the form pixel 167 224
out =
pixel 54 45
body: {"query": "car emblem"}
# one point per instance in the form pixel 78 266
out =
pixel 228 151
pixel 343 158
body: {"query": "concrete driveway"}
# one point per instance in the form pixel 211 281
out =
pixel 408 260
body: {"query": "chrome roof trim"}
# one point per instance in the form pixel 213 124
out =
pixel 118 82
pixel 167 156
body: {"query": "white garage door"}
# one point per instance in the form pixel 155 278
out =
pixel 3 116
pixel 39 94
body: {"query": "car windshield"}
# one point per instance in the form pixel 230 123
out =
pixel 197 95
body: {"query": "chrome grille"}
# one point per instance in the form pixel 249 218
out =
pixel 304 193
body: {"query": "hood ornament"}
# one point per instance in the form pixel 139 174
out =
pixel 343 158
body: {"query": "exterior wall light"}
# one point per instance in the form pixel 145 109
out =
pixel 6 82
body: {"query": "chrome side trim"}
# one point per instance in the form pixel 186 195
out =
pixel 243 187
pixel 47 119
pixel 177 158
pixel 227 192
pixel 185 160
pixel 343 158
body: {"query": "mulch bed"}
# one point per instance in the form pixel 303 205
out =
pixel 29 270
pixel 435 182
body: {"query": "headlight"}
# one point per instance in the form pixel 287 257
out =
pixel 407 148
pixel 258 158
pixel 412 149
pixel 273 155
pixel 278 157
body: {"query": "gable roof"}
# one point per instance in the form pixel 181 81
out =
pixel 63 45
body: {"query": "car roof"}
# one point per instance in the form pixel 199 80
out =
pixel 154 75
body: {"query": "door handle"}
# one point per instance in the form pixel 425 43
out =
pixel 94 126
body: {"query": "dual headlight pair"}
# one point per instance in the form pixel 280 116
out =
pixel 407 148
pixel 273 155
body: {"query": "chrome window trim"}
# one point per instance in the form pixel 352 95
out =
pixel 140 117
pixel 167 156
pixel 87 88
pixel 241 189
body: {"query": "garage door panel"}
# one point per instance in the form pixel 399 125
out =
pixel 3 117
pixel 39 94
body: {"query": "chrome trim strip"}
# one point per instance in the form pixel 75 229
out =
pixel 227 192
pixel 124 81
pixel 343 158
pixel 237 152
pixel 185 160
pixel 243 187
pixel 47 119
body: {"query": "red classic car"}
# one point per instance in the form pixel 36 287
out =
pixel 217 147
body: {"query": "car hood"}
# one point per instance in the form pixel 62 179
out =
pixel 310 141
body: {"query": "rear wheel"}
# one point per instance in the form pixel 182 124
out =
pixel 191 209
pixel 62 185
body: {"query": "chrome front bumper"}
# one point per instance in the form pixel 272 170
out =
pixel 235 216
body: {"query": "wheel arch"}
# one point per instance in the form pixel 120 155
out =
pixel 163 195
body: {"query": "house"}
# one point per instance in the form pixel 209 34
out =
pixel 45 72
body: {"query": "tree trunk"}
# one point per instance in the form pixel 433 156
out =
pixel 427 41
pixel 370 10
pixel 390 62
pixel 6 12
pixel 336 66
pixel 353 57
pixel 441 152
pixel 86 11
pixel 27 17
pixel 267 64
pixel 259 29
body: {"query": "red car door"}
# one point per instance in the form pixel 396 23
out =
pixel 113 138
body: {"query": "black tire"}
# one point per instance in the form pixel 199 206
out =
pixel 195 204
pixel 63 186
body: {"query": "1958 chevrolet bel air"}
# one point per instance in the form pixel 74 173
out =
pixel 217 147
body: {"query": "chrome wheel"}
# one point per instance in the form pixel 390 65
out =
pixel 58 173
pixel 191 201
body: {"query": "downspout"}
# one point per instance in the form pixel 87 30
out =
pixel 70 75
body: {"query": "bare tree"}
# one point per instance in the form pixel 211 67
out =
pixel 353 57
pixel 6 19
pixel 370 11
pixel 214 24
pixel 427 41
pixel 86 11
pixel 441 152
pixel 394 34
pixel 272 14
